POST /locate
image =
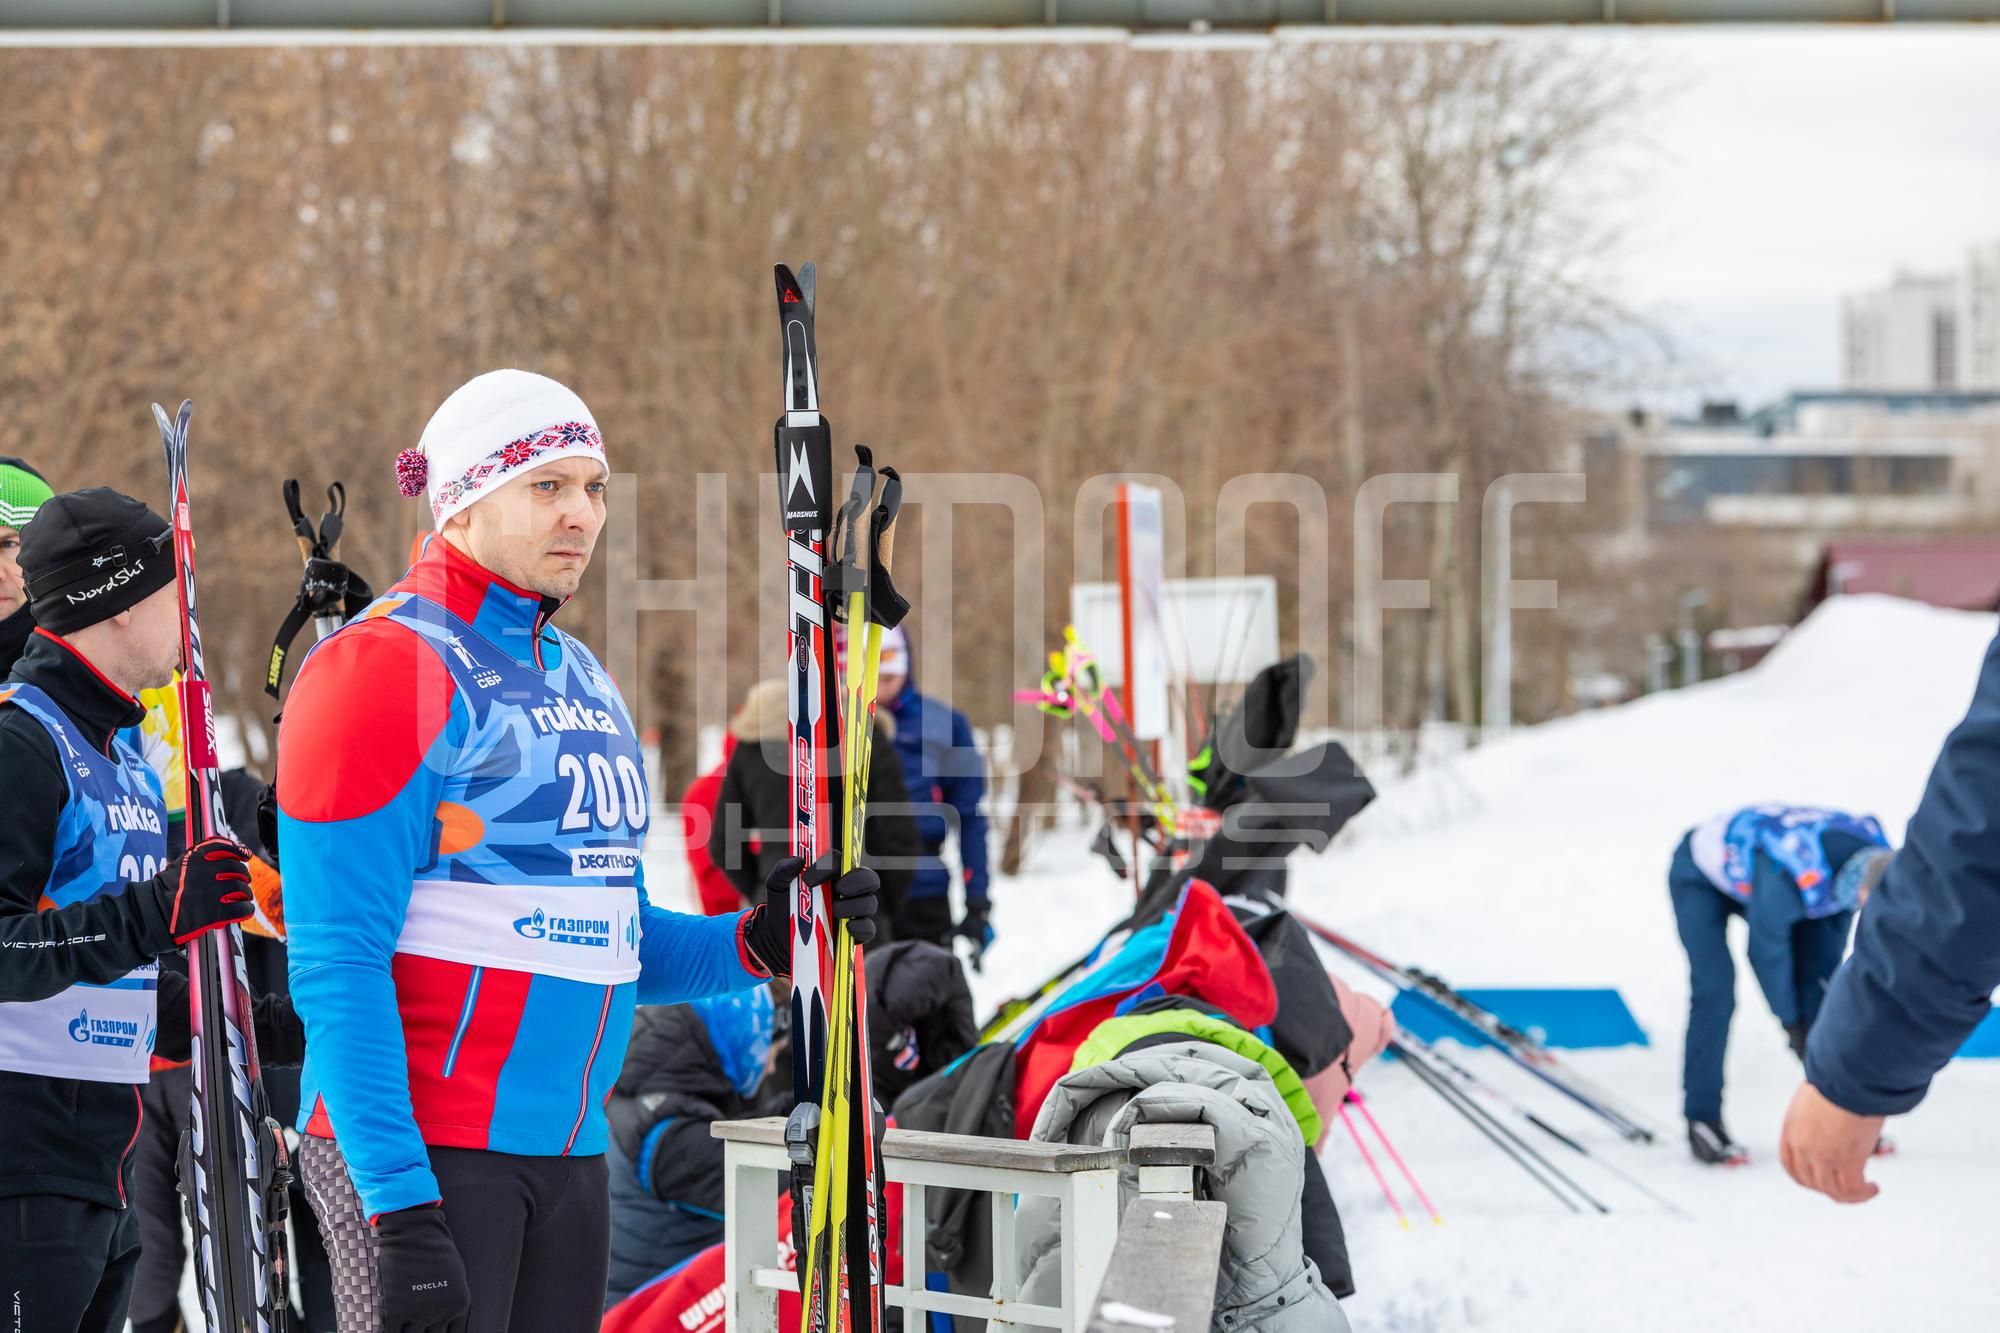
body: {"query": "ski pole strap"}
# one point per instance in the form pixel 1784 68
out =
pixel 886 606
pixel 333 521
pixel 329 589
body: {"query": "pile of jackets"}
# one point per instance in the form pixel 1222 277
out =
pixel 1194 1009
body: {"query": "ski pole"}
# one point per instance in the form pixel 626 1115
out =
pixel 1501 1137
pixel 1470 1079
pixel 1543 1162
pixel 1540 1160
pixel 1373 1169
pixel 1354 1096
pixel 1517 1046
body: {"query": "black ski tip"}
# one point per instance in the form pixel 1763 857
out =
pixel 794 289
pixel 166 423
pixel 864 456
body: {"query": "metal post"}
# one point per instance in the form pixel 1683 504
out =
pixel 1496 701
pixel 1690 638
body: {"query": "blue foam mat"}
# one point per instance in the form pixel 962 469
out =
pixel 1584 1018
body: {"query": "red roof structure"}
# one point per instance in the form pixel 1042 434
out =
pixel 1962 573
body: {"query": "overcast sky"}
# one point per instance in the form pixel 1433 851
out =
pixel 1784 168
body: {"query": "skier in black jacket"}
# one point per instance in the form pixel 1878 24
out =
pixel 88 899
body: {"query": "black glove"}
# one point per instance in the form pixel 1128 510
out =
pixel 975 927
pixel 205 888
pixel 1795 1034
pixel 421 1274
pixel 267 822
pixel 855 901
pixel 281 1036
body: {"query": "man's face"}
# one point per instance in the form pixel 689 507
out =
pixel 154 637
pixel 888 687
pixel 537 531
pixel 13 592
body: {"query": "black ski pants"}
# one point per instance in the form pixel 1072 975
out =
pixel 534 1234
pixel 65 1265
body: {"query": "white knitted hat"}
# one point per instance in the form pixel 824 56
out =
pixel 491 428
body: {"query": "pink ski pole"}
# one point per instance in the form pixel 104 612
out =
pixel 1354 1095
pixel 1373 1169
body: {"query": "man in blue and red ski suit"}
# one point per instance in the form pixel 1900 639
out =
pixel 462 804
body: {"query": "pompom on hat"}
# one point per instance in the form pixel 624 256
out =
pixel 491 429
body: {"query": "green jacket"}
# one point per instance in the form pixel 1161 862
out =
pixel 1111 1037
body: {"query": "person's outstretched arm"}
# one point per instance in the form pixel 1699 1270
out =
pixel 1926 958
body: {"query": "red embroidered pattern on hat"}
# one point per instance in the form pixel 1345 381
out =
pixel 514 454
pixel 412 471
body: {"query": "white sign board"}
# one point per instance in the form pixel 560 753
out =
pixel 1217 631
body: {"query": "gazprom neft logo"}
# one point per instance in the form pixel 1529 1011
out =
pixel 569 715
pixel 591 931
pixel 87 1031
pixel 603 862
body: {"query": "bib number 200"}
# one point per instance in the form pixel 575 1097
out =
pixel 603 791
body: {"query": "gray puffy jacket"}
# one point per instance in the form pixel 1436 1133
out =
pixel 1266 1283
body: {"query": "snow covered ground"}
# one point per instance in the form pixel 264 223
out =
pixel 1542 860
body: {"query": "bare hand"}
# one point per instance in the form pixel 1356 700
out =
pixel 1825 1148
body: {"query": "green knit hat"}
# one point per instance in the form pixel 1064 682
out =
pixel 22 492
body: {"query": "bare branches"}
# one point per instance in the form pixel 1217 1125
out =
pixel 1329 261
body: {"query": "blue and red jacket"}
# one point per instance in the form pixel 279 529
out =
pixel 462 806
